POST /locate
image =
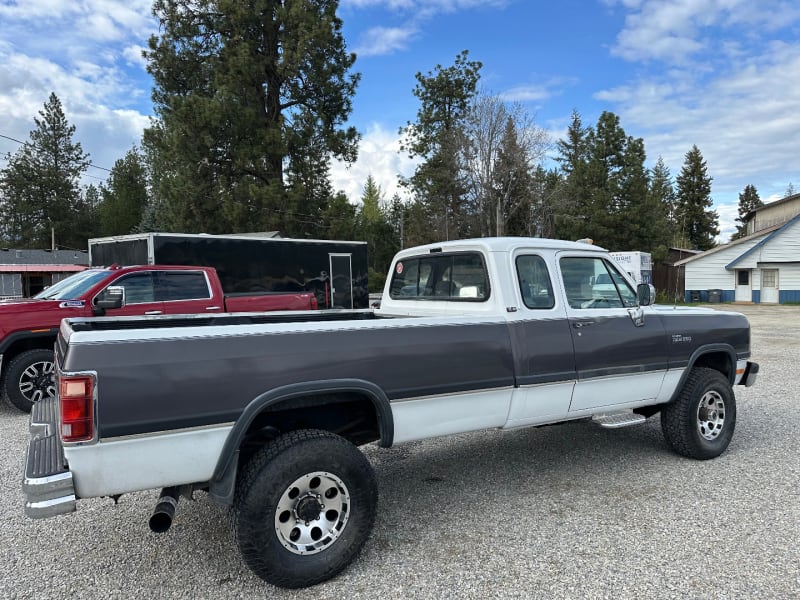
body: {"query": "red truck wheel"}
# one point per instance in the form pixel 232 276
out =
pixel 30 378
pixel 304 507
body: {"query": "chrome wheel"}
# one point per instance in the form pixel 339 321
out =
pixel 312 513
pixel 711 415
pixel 36 382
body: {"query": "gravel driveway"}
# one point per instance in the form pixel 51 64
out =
pixel 571 511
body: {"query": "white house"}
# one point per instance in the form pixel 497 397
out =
pixel 762 267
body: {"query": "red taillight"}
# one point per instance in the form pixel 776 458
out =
pixel 77 406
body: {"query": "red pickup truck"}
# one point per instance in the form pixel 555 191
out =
pixel 28 326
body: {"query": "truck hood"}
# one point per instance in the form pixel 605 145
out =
pixel 685 310
pixel 28 305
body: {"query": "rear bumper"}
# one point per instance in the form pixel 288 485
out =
pixel 47 484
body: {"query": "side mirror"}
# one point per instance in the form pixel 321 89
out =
pixel 646 294
pixel 112 297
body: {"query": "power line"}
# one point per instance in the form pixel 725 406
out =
pixel 7 137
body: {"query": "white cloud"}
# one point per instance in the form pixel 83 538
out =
pixel 88 53
pixel 379 155
pixel 732 87
pixel 133 55
pixel 526 93
pixel 675 31
pixel 384 40
pixel 537 92
pixel 429 6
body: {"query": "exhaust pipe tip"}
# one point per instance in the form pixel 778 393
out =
pixel 164 511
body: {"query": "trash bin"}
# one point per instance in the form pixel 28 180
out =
pixel 694 296
pixel 715 295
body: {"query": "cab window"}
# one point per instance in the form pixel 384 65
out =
pixel 138 287
pixel 534 282
pixel 453 277
pixel 182 285
pixel 592 283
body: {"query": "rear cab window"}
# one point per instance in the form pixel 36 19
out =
pixel 457 277
pixel 534 281
pixel 182 285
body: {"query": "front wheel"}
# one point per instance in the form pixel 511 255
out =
pixel 304 507
pixel 700 423
pixel 30 378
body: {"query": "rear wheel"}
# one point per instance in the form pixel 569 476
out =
pixel 700 423
pixel 30 378
pixel 304 507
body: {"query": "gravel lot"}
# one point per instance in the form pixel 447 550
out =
pixel 570 512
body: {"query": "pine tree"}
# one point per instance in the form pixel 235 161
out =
pixel 638 223
pixel 662 190
pixel 573 151
pixel 125 195
pixel 371 200
pixel 40 184
pixel 339 219
pixel 437 137
pixel 513 184
pixel 749 200
pixel 243 91
pixel 375 228
pixel 660 201
pixel 86 223
pixel 602 184
pixel 697 222
pixel 571 206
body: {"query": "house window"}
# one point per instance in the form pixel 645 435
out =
pixel 742 277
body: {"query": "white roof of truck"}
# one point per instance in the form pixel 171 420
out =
pixel 501 244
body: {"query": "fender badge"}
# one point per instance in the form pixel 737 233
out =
pixel 679 338
pixel 72 304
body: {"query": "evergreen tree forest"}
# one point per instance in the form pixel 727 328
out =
pixel 251 103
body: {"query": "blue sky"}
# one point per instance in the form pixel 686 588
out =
pixel 721 74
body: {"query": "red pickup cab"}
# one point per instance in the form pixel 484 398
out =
pixel 28 326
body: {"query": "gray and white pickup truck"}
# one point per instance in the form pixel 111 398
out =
pixel 265 412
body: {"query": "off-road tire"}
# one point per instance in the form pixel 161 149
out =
pixel 268 479
pixel 700 422
pixel 29 378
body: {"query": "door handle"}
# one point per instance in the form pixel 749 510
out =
pixel 152 312
pixel 579 324
pixel 212 307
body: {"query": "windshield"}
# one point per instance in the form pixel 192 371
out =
pixel 603 278
pixel 73 287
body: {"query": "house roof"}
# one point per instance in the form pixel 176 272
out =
pixel 12 256
pixel 762 243
pixel 747 238
pixel 42 268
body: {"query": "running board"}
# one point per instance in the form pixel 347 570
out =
pixel 620 419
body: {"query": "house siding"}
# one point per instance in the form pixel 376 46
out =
pixel 774 214
pixel 709 273
pixel 776 250
pixel 783 247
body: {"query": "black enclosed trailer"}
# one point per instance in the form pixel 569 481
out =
pixel 335 271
